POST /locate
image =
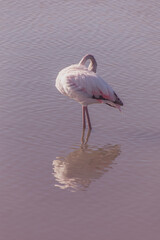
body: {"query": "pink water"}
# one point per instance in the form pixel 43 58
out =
pixel 52 186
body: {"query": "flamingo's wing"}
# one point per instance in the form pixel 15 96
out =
pixel 106 94
pixel 86 86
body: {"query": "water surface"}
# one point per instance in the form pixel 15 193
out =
pixel 52 187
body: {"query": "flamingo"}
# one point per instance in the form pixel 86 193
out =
pixel 86 87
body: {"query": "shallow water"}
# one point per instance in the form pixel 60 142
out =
pixel 51 185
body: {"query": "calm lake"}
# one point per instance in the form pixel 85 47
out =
pixel 51 185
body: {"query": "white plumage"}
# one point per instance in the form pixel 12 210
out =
pixel 85 86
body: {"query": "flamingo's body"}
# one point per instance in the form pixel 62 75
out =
pixel 85 86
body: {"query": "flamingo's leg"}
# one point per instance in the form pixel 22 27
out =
pixel 82 138
pixel 88 119
pixel 83 116
pixel 88 134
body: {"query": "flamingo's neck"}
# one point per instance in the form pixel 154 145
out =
pixel 93 64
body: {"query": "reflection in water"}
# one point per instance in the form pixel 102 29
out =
pixel 83 165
